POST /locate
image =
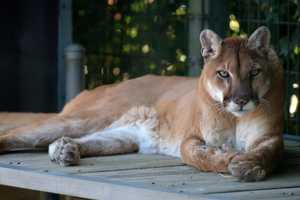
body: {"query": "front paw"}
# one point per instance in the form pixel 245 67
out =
pixel 247 169
pixel 64 152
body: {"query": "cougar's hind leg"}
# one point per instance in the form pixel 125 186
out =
pixel 134 131
pixel 40 134
pixel 67 151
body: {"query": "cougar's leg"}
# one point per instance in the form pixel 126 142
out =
pixel 135 130
pixel 42 133
pixel 194 152
pixel 67 151
pixel 259 160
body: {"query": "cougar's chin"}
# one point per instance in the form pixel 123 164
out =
pixel 239 111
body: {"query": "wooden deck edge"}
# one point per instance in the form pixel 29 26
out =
pixel 83 187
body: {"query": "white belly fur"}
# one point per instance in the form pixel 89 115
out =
pixel 141 123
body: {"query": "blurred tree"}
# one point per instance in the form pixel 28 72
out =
pixel 131 38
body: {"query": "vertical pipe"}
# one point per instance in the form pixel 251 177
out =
pixel 195 26
pixel 64 39
pixel 74 55
pixel 211 14
pixel 218 16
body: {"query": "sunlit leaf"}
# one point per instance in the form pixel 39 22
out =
pixel 146 48
pixel 234 25
pixel 152 66
pixel 128 19
pixel 296 50
pixel 181 10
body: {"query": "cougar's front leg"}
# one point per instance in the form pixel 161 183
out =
pixel 42 133
pixel 67 151
pixel 259 160
pixel 194 152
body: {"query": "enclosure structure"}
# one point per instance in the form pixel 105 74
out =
pixel 126 39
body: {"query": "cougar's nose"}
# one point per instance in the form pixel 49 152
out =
pixel 241 101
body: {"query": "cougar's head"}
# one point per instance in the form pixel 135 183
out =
pixel 237 72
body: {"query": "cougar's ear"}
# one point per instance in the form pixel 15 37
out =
pixel 260 39
pixel 211 44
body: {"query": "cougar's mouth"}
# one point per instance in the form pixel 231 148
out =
pixel 238 110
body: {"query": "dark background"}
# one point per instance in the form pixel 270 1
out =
pixel 28 55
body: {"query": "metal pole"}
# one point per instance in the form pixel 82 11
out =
pixel 211 14
pixel 64 39
pixel 74 55
pixel 197 21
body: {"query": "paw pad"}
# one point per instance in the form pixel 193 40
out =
pixel 247 170
pixel 64 152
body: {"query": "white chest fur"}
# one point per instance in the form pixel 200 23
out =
pixel 219 137
pixel 248 131
pixel 240 136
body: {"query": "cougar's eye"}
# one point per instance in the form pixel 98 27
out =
pixel 223 74
pixel 254 72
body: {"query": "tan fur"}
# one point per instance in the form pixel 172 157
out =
pixel 175 114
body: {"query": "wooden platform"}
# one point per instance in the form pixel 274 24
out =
pixel 141 177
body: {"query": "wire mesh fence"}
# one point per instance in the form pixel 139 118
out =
pixel 126 39
pixel 129 38
pixel 283 19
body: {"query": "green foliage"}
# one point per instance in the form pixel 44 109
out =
pixel 131 37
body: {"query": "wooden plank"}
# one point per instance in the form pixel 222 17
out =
pixel 288 193
pixel 175 179
pixel 188 180
pixel 285 198
pixel 185 171
pixel 288 180
pixel 146 172
pixel 41 162
pixel 161 175
pixel 82 186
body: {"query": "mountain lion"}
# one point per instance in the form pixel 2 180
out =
pixel 228 120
